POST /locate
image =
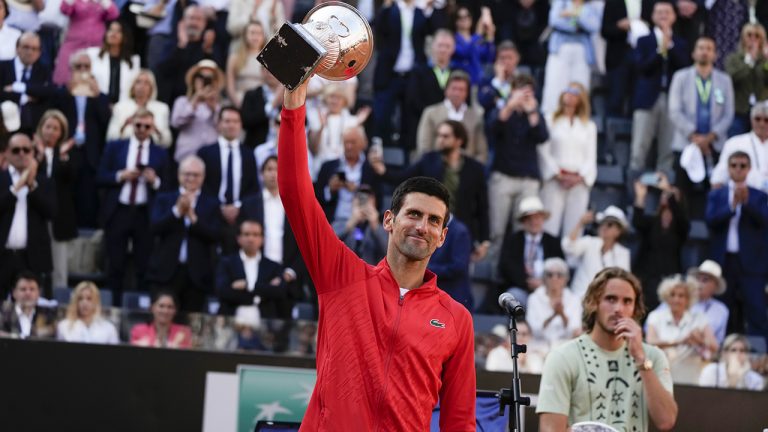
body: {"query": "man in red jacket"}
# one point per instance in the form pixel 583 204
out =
pixel 390 343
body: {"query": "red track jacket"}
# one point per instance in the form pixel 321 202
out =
pixel 382 360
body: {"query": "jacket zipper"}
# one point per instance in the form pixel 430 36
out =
pixel 400 302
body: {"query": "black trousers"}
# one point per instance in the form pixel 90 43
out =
pixel 129 223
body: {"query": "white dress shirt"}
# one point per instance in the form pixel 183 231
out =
pixel 586 254
pixel 19 86
pixel 453 113
pixel 757 150
pixel 251 266
pixel 237 168
pixel 17 235
pixel 142 194
pixel 407 56
pixel 25 322
pixel 274 226
pixel 570 147
pixel 538 254
pixel 540 309
pixel 732 242
pixel 183 255
pixel 48 152
pixel 100 331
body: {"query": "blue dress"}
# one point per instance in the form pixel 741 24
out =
pixel 472 56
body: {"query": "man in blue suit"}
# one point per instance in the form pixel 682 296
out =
pixel 130 173
pixel 737 216
pixel 247 277
pixel 450 263
pixel 185 224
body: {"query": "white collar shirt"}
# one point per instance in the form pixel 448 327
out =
pixel 274 226
pixel 453 113
pixel 142 193
pixel 251 267
pixel 25 322
pixel 237 168
pixel 732 242
pixel 407 55
pixel 18 233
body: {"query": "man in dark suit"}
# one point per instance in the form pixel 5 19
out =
pixel 230 173
pixel 24 318
pixel 248 278
pixel 27 204
pixel 469 196
pixel 185 224
pixel 450 263
pixel 339 179
pixel 131 172
pixel 87 112
pixel 655 60
pixel 26 82
pixel 737 216
pixel 260 107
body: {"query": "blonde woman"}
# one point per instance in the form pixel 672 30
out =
pixel 142 94
pixel 685 336
pixel 568 160
pixel 84 322
pixel 734 369
pixel 244 72
pixel 746 66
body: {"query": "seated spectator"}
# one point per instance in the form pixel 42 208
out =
pixel 332 119
pixel 244 72
pixel 754 144
pixel 590 254
pixel 247 278
pixel 710 283
pixel 521 262
pixel 684 336
pixel 27 205
pixel 162 332
pixel 25 81
pixel 60 168
pixel 114 65
pixel 746 66
pixel 450 263
pixel 247 324
pixel 454 107
pixel 87 25
pixel 662 225
pixel 142 94
pixel 500 358
pixel 8 35
pixel 363 232
pixel 24 317
pixel 474 49
pixel 260 111
pixel 194 114
pixel 571 54
pixel 84 322
pixel 568 160
pixel 554 311
pixel 185 225
pixel 734 369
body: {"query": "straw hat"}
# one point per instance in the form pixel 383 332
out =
pixel 206 64
pixel 531 205
pixel 713 269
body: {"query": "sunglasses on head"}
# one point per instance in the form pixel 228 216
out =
pixel 25 150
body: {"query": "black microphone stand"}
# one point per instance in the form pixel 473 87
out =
pixel 512 397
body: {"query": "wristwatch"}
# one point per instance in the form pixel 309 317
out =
pixel 645 365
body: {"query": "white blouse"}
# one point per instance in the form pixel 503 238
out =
pixel 685 362
pixel 585 253
pixel 100 331
pixel 540 308
pixel 571 147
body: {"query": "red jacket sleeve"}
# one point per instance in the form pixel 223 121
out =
pixel 330 264
pixel 457 394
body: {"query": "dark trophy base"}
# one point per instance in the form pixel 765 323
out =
pixel 291 55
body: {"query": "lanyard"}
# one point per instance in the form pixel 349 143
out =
pixel 704 89
pixel 441 75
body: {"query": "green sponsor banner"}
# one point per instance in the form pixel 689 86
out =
pixel 272 393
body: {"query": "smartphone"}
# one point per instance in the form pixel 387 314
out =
pixel 650 179
pixel 342 176
pixel 377 147
pixel 362 198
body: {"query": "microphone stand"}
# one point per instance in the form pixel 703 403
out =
pixel 512 397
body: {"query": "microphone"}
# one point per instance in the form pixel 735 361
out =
pixel 511 306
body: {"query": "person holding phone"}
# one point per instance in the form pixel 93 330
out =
pixel 195 114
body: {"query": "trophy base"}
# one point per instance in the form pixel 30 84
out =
pixel 292 55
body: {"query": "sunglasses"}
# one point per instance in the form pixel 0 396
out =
pixel 554 274
pixel 191 174
pixel 79 66
pixel 142 126
pixel 760 119
pixel 737 165
pixel 25 150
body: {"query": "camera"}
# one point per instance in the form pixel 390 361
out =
pixel 207 81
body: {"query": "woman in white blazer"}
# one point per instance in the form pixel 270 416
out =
pixel 114 51
pixel 142 93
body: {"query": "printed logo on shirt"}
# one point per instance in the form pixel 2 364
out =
pixel 436 323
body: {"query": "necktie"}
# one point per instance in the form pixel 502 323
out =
pixel 25 75
pixel 531 256
pixel 135 183
pixel 229 192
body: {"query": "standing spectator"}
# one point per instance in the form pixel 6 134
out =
pixel 244 72
pixel 83 322
pixel 654 61
pixel 24 318
pixel 594 253
pixel 662 225
pixel 194 114
pixel 454 107
pixel 161 35
pixel 568 160
pixel 217 14
pixel 734 369
pixel 8 34
pixel 451 263
pixel 692 19
pixel 87 111
pixel 131 172
pixel 27 205
pixel 725 18
pixel 474 50
pixel 60 168
pixel 519 130
pixel 162 332
pixel 142 95
pixel 710 282
pixel 494 92
pixel 684 336
pixel 270 13
pixel 523 23
pixel 554 311
pixel 87 24
pixel 114 65
pixel 754 144
pixel 231 173
pixel 185 225
pixel 260 110
pixel 26 82
pixel 521 262
pixel 363 232
pixel 746 66
pixel 571 54
pixel 737 216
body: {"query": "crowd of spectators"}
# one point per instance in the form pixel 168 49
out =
pixel 153 124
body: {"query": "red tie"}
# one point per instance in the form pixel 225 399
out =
pixel 135 183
